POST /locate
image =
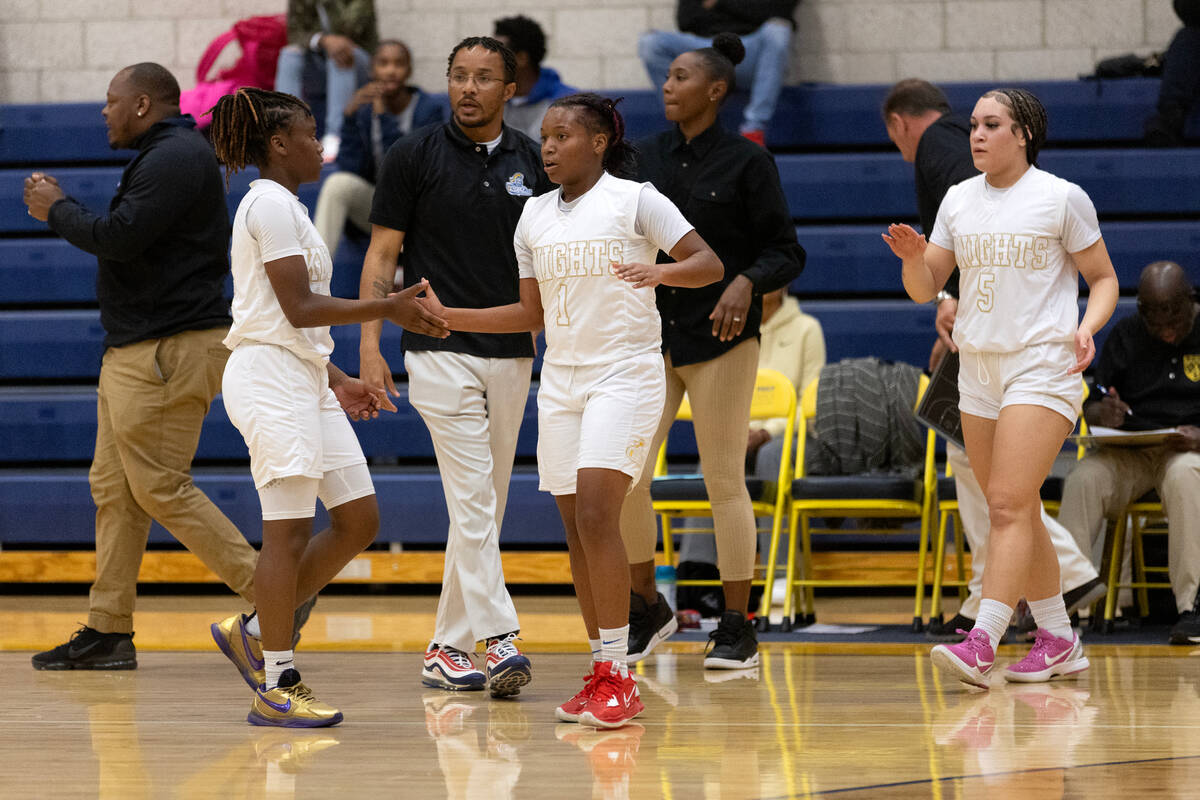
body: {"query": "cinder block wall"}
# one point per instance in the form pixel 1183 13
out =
pixel 65 50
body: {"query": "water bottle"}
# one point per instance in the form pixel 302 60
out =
pixel 664 582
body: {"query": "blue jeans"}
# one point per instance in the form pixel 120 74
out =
pixel 323 77
pixel 762 71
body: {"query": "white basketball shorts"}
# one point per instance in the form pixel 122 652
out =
pixel 1036 375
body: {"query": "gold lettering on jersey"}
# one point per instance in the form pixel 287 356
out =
pixel 582 258
pixel 318 264
pixel 1016 250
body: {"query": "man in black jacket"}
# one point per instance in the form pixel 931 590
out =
pixel 766 28
pixel 163 252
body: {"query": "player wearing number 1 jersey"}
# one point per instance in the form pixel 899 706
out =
pixel 1022 238
pixel 586 255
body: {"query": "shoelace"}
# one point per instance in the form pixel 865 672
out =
pixel 299 691
pixel 459 658
pixel 606 687
pixel 721 635
pixel 503 648
pixel 980 644
pixel 1041 642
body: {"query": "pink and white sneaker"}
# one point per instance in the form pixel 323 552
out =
pixel 448 667
pixel 970 660
pixel 1049 657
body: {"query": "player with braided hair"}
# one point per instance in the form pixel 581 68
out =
pixel 1021 238
pixel 287 398
pixel 586 255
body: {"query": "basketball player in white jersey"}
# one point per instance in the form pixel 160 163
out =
pixel 586 255
pixel 287 399
pixel 1021 238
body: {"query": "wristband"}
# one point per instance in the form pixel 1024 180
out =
pixel 943 295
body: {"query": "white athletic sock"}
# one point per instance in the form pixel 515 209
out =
pixel 614 645
pixel 596 654
pixel 1051 614
pixel 275 662
pixel 251 625
pixel 993 619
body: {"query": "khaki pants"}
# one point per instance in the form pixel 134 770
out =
pixel 1111 478
pixel 344 196
pixel 720 392
pixel 153 397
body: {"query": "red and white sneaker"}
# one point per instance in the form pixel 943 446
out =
pixel 1049 657
pixel 447 667
pixel 570 710
pixel 970 660
pixel 615 700
pixel 507 667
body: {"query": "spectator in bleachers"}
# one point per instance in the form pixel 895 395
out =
pixel 450 197
pixel 163 259
pixel 765 27
pixel 1179 92
pixel 331 41
pixel 379 113
pixel 729 189
pixel 537 86
pixel 937 143
pixel 1147 377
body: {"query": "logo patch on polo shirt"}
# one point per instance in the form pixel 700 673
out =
pixel 1191 367
pixel 515 186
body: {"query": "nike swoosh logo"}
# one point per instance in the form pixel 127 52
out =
pixel 282 708
pixel 76 652
pixel 981 664
pixel 614 641
pixel 1052 661
pixel 255 663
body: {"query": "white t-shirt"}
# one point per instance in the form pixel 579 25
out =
pixel 591 315
pixel 271 223
pixel 1019 285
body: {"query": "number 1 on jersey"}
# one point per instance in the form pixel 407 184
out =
pixel 562 318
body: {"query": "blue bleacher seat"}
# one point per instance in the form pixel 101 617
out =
pixel 53 507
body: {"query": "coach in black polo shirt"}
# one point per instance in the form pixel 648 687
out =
pixel 451 194
pixel 1148 376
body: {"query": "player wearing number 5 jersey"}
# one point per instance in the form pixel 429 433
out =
pixel 586 255
pixel 1021 238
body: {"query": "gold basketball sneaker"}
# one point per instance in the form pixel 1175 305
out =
pixel 291 704
pixel 241 648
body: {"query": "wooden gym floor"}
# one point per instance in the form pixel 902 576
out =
pixel 853 721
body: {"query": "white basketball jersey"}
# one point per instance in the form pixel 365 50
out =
pixel 1019 285
pixel 271 223
pixel 591 315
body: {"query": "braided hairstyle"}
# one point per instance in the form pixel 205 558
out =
pixel 243 123
pixel 719 59
pixel 600 115
pixel 1029 117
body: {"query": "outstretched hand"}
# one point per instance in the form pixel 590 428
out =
pixel 905 242
pixel 411 312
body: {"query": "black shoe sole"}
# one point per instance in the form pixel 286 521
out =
pixel 62 666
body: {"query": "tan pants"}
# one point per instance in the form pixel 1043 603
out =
pixel 1111 478
pixel 344 196
pixel 720 392
pixel 153 397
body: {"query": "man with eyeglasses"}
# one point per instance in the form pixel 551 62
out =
pixel 1148 377
pixel 450 195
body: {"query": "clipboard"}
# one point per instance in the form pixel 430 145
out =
pixel 939 405
pixel 1115 437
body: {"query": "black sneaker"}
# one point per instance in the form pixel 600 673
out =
pixel 733 645
pixel 1084 596
pixel 949 631
pixel 90 649
pixel 1187 629
pixel 649 625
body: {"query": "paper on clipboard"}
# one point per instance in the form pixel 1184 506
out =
pixel 1116 437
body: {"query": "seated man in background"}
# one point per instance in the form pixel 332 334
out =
pixel 379 113
pixel 337 37
pixel 765 27
pixel 794 344
pixel 537 86
pixel 1148 376
pixel 1179 92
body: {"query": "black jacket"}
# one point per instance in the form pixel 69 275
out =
pixel 731 16
pixel 943 159
pixel 163 247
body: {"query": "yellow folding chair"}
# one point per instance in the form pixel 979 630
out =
pixel 854 496
pixel 1139 518
pixel 679 496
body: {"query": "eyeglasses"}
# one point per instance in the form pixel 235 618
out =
pixel 461 79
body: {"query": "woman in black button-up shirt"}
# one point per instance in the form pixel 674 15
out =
pixel 728 187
